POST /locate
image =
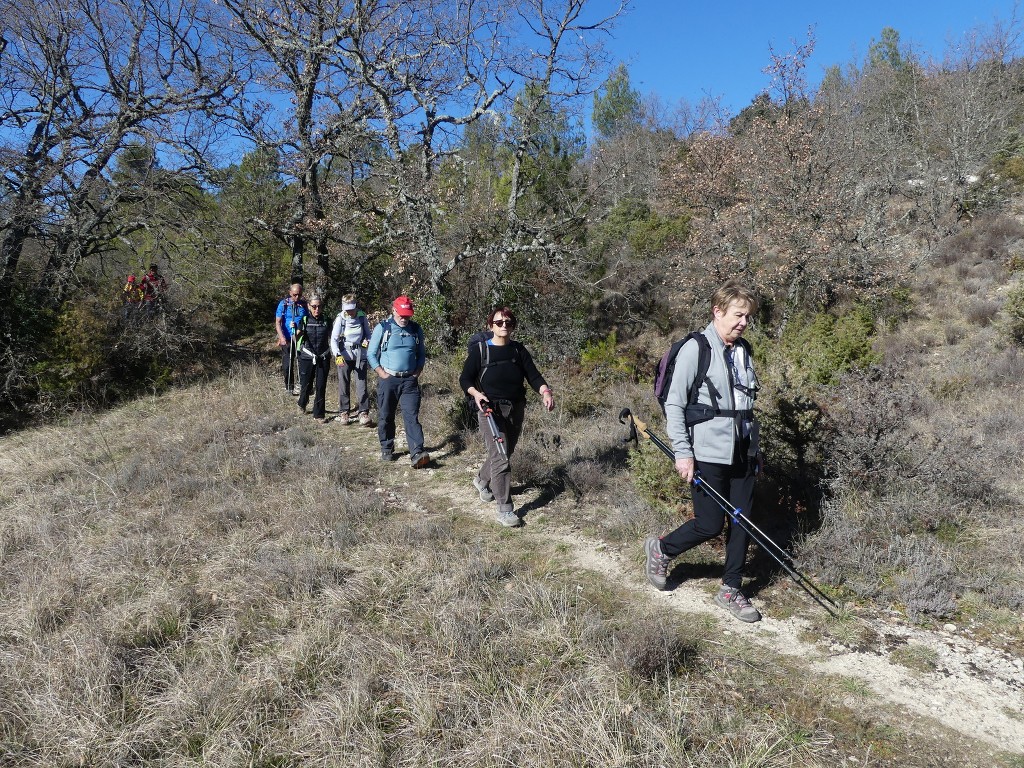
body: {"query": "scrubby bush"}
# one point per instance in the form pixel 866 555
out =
pixel 1013 309
pixel 821 348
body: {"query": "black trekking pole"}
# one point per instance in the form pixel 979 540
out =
pixel 768 545
pixel 492 425
pixel 290 378
pixel 638 429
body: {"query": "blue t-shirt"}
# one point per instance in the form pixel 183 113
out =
pixel 404 350
pixel 292 313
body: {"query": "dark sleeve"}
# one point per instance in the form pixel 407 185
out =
pixel 470 369
pixel 533 376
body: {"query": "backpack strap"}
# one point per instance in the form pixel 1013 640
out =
pixel 485 359
pixel 697 412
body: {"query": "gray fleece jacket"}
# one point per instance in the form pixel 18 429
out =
pixel 714 440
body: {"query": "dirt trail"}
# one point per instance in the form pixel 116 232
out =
pixel 974 690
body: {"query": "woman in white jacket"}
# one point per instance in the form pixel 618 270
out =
pixel 349 338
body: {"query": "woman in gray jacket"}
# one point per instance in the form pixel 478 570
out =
pixel 719 440
pixel 349 337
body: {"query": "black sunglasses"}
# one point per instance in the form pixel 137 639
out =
pixel 503 323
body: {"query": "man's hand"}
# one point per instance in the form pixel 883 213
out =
pixel 339 361
pixel 685 469
pixel 282 341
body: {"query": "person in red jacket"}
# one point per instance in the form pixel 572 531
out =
pixel 153 288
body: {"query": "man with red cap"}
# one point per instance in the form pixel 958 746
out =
pixel 397 354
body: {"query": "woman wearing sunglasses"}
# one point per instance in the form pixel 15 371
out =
pixel 495 375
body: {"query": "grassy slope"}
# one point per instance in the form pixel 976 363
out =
pixel 208 578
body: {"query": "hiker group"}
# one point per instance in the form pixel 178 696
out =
pixel 143 296
pixel 706 384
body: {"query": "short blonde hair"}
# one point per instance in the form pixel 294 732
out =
pixel 731 292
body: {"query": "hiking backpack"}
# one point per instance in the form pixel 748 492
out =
pixel 413 327
pixel 665 369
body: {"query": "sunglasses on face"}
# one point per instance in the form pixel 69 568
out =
pixel 503 323
pixel 314 306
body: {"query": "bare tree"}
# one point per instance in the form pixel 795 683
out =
pixel 299 104
pixel 82 80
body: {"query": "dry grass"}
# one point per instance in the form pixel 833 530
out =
pixel 208 579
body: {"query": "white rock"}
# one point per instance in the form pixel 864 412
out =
pixel 949 627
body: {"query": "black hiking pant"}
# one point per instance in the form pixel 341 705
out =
pixel 313 378
pixel 734 482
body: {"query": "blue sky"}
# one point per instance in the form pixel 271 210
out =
pixel 681 49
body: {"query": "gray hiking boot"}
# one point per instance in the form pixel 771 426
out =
pixel 386 455
pixel 736 603
pixel 657 563
pixel 508 517
pixel 485 492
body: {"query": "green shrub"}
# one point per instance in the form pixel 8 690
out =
pixel 1013 309
pixel 76 352
pixel 655 477
pixel 601 359
pixel 821 348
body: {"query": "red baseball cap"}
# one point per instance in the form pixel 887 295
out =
pixel 403 306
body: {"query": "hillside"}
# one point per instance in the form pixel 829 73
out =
pixel 210 578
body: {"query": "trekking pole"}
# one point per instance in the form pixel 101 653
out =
pixel 638 429
pixel 290 378
pixel 492 425
pixel 768 545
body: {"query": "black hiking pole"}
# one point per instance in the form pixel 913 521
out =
pixel 768 545
pixel 638 429
pixel 290 374
pixel 492 425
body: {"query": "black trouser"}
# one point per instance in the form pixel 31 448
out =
pixel 311 368
pixel 734 482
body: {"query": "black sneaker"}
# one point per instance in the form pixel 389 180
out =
pixel 657 563
pixel 386 455
pixel 736 603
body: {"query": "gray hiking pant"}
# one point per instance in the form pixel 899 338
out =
pixel 496 473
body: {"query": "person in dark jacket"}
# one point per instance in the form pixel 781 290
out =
pixel 314 343
pixel 495 375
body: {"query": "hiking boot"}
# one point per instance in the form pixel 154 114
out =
pixel 657 563
pixel 420 460
pixel 296 390
pixel 736 603
pixel 386 455
pixel 343 419
pixel 364 419
pixel 508 517
pixel 485 492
